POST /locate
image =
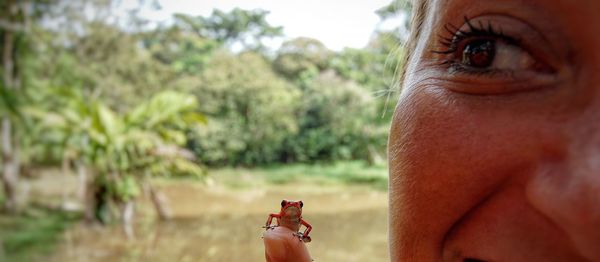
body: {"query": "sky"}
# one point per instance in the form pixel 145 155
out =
pixel 336 23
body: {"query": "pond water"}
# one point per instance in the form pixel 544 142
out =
pixel 218 224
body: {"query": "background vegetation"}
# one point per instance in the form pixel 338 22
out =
pixel 123 106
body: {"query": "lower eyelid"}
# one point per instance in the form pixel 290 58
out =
pixel 494 82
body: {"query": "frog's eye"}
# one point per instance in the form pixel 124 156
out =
pixel 301 204
pixel 283 203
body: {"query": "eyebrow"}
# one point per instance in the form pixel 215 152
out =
pixel 454 11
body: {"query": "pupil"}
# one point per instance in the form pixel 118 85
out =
pixel 479 53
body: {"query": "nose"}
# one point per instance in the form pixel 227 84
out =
pixel 567 190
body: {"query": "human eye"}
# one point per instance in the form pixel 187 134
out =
pixel 490 55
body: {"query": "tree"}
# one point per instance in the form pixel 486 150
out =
pixel 111 63
pixel 397 8
pixel 245 27
pixel 12 29
pixel 183 51
pixel 18 22
pixel 393 8
pixel 121 151
pixel 334 121
pixel 376 68
pixel 250 109
pixel 301 55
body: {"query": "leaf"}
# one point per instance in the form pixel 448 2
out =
pixel 108 122
pixel 9 101
pixel 127 188
pixel 174 136
pixel 195 118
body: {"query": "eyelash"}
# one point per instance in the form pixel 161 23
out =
pixel 456 36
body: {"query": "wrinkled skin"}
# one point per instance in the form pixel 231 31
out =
pixel 503 167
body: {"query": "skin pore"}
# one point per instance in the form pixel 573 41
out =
pixel 494 148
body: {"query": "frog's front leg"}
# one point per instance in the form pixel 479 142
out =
pixel 268 225
pixel 304 236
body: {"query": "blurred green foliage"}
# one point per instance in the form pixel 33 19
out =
pixel 32 234
pixel 122 102
pixel 147 139
pixel 305 103
pixel 332 174
pixel 251 110
pixel 238 26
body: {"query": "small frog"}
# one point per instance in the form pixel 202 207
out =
pixel 291 215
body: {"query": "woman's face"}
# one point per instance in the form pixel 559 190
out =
pixel 495 145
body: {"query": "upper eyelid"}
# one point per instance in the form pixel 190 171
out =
pixel 508 29
pixel 456 34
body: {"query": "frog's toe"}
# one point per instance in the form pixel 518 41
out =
pixel 268 227
pixel 306 239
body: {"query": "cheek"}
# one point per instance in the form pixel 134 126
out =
pixel 447 153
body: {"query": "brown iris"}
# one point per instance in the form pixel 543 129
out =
pixel 479 53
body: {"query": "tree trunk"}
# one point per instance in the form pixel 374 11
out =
pixel 87 192
pixel 127 213
pixel 10 168
pixel 160 203
pixel 66 165
pixel 10 157
pixel 90 200
pixel 82 176
pixel 374 157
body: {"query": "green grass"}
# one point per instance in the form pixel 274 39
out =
pixel 346 173
pixel 33 233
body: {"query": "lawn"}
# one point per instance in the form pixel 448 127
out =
pixel 340 173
